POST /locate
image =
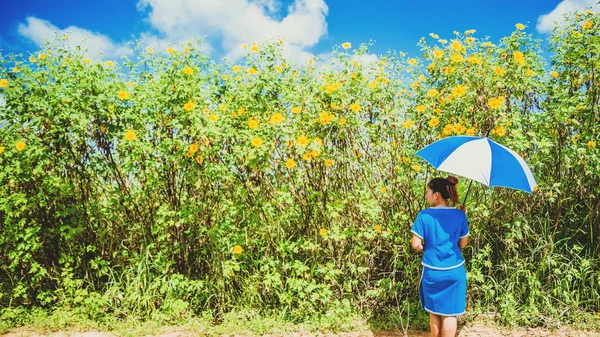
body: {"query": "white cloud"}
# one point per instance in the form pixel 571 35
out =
pixel 231 23
pixel 39 31
pixel 223 23
pixel 366 59
pixel 547 22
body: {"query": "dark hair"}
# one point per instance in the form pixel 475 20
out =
pixel 446 187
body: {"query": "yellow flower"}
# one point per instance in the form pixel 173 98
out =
pixel 1 149
pixel 437 53
pixel 377 228
pixel 244 46
pixel 20 146
pixel 473 59
pixel 87 61
pixel 322 232
pixel 346 45
pixel 342 121
pixel 32 59
pixel 433 35
pixel 325 117
pixel 189 106
pixel 315 153
pixel 199 160
pixel 213 117
pixel 123 95
pixel 459 129
pixel 251 71
pixel 470 132
pixel 355 107
pixel 456 58
pixel 130 135
pixel 530 72
pixel 500 131
pixel 591 143
pixel 237 249
pixel 290 163
pixel 193 148
pixel 412 62
pixel 302 141
pixel 276 118
pixel 443 41
pixel 278 69
pixel 296 109
pixel 519 57
pixel 456 46
pixel 252 123
pixel 589 12
pixel 149 49
pixel 188 71
pixel 416 167
pixel 432 93
pixel 15 70
pixel 421 108
pixel 328 162
pixel 256 142
pixel 307 156
pixel 434 121
pixel 520 26
pixel 459 90
pixel 3 83
pixel 109 63
pixel 170 50
pixel 496 103
pixel 587 25
pixel 499 71
pixel 448 129
pixel 254 48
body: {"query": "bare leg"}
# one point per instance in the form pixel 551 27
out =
pixel 448 326
pixel 435 324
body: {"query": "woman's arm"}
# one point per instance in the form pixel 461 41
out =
pixel 462 243
pixel 416 243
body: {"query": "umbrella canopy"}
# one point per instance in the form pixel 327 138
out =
pixel 480 159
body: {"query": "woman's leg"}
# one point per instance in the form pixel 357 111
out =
pixel 448 326
pixel 435 324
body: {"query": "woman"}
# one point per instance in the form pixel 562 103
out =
pixel 440 232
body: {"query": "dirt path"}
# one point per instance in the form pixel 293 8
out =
pixel 469 330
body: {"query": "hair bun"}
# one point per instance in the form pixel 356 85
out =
pixel 452 180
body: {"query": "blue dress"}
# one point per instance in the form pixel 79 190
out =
pixel 443 289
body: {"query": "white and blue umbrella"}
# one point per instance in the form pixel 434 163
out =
pixel 480 159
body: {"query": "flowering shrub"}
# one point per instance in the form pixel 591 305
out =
pixel 267 184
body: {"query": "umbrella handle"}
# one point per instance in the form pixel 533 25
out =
pixel 467 194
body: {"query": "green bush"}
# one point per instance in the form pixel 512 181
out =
pixel 169 185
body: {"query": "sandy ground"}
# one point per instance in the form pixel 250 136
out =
pixel 469 330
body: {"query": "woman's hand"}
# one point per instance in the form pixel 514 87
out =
pixel 416 243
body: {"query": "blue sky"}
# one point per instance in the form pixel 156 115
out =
pixel 306 26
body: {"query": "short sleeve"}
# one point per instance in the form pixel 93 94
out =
pixel 464 230
pixel 418 227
